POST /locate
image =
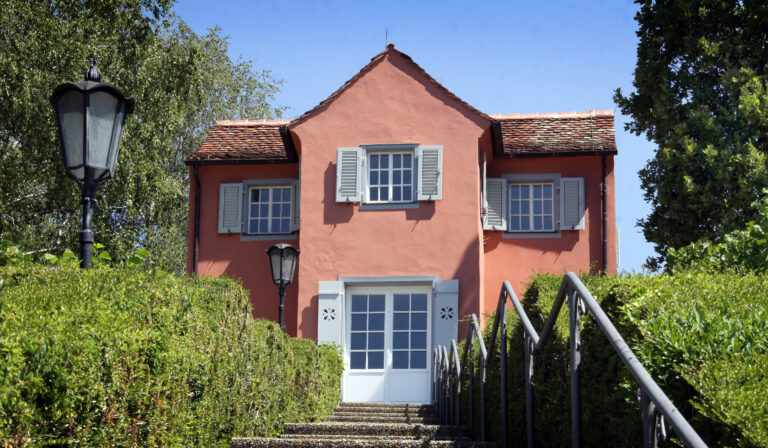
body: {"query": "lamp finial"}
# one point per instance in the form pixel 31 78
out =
pixel 92 74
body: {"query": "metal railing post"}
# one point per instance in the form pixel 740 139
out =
pixel 529 405
pixel 471 366
pixel 575 348
pixel 503 363
pixel 483 405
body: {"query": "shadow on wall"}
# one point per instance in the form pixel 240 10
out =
pixel 309 314
pixel 333 213
pixel 467 270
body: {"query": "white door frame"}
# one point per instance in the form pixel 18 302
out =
pixel 387 384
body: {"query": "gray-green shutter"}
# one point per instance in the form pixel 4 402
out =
pixel 496 213
pixel 430 163
pixel 445 312
pixel 572 203
pixel 230 208
pixel 295 202
pixel 349 167
pixel 330 312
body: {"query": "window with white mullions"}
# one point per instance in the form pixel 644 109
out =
pixel 531 207
pixel 409 331
pixel 269 210
pixel 390 177
pixel 366 349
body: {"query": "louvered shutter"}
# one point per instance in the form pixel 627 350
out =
pixel 329 312
pixel 496 195
pixel 230 208
pixel 572 203
pixel 295 209
pixel 430 160
pixel 445 312
pixel 349 166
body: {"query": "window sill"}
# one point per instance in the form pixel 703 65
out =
pixel 392 206
pixel 556 234
pixel 267 237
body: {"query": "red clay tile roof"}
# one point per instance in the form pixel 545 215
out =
pixel 246 140
pixel 556 133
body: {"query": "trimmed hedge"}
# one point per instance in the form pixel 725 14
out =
pixel 128 357
pixel 703 338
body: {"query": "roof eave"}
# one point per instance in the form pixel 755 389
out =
pixel 521 155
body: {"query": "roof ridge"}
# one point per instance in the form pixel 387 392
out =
pixel 375 61
pixel 248 122
pixel 576 114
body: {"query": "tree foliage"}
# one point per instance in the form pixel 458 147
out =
pixel 742 250
pixel 182 82
pixel 701 94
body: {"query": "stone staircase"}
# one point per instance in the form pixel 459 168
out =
pixel 370 425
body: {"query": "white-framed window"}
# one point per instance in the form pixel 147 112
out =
pixel 269 210
pixel 533 204
pixel 390 177
pixel 531 207
pixel 389 174
pixel 259 207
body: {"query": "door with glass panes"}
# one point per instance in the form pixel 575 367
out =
pixel 387 345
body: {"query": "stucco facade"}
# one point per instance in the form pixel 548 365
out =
pixel 460 243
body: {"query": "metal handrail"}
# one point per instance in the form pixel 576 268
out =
pixel 657 410
pixel 447 379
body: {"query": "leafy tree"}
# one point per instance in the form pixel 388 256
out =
pixel 182 82
pixel 741 250
pixel 701 95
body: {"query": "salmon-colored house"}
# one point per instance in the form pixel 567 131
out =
pixel 410 207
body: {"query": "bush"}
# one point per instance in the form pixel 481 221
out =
pixel 702 337
pixel 130 357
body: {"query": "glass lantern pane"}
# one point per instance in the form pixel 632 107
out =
pixel 70 107
pixel 101 114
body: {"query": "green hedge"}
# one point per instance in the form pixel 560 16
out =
pixel 130 357
pixel 703 337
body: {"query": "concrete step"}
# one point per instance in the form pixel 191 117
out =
pixel 432 432
pixel 383 419
pixel 399 415
pixel 383 412
pixel 388 406
pixel 353 442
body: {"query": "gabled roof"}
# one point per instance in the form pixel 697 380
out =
pixel 391 50
pixel 572 133
pixel 514 135
pixel 246 141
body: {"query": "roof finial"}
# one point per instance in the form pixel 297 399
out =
pixel 92 74
pixel 386 37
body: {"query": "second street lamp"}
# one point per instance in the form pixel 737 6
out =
pixel 90 116
pixel 282 262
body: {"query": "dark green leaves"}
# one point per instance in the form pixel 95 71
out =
pixel 700 95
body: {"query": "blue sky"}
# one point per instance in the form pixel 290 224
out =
pixel 500 56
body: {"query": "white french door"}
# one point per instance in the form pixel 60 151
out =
pixel 388 340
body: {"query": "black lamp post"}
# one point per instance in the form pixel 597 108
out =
pixel 90 116
pixel 282 260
